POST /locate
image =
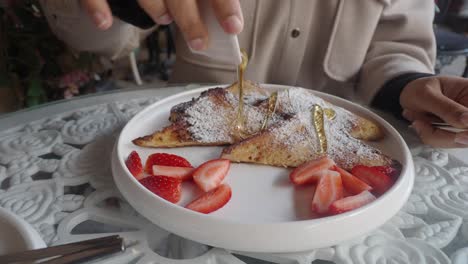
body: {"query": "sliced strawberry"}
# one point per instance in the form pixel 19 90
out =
pixel 182 173
pixel 387 170
pixel 351 202
pixel 134 165
pixel 210 174
pixel 351 183
pixel 307 172
pixel 379 181
pixel 211 201
pixel 165 159
pixel 168 188
pixel 328 190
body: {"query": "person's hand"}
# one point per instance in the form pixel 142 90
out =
pixel 185 13
pixel 436 99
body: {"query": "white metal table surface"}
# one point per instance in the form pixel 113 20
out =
pixel 55 174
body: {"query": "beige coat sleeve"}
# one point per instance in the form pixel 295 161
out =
pixel 403 42
pixel 72 25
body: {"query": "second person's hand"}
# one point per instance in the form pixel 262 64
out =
pixel 437 99
pixel 185 13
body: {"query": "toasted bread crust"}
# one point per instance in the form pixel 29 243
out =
pixel 263 148
pixel 367 130
pixel 270 149
pixel 218 95
pixel 172 136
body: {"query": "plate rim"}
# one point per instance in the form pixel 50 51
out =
pixel 406 161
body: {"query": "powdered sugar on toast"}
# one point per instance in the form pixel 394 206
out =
pixel 211 120
pixel 340 143
pixel 219 126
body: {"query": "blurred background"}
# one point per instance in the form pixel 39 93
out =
pixel 40 61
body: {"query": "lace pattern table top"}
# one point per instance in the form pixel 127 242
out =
pixel 52 174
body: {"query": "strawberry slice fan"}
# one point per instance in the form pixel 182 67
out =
pixel 165 159
pixel 168 188
pixel 333 183
pixel 210 174
pixel 164 174
pixel 212 200
pixel 133 163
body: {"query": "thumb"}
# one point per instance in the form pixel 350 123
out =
pixel 99 11
pixel 435 102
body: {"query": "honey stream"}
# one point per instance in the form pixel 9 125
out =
pixel 240 120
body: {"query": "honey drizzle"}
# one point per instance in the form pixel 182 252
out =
pixel 329 113
pixel 271 109
pixel 240 121
pixel 318 120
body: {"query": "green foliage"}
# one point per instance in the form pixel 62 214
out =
pixel 31 52
pixel 35 93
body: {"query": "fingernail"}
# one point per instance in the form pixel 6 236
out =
pixel 416 127
pixel 233 25
pixel 461 139
pixel 197 44
pixel 101 20
pixel 164 19
pixel 464 118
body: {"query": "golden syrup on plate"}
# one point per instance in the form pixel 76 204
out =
pixel 318 121
pixel 329 113
pixel 271 109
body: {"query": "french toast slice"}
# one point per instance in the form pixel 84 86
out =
pixel 298 100
pixel 253 94
pixel 209 120
pixel 292 142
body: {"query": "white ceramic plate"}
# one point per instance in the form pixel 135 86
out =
pixel 17 235
pixel 266 213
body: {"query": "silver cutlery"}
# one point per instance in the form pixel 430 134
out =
pixel 447 127
pixel 69 253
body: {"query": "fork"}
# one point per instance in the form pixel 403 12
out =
pixel 69 253
pixel 447 127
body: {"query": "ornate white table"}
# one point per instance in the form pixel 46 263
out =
pixel 55 173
